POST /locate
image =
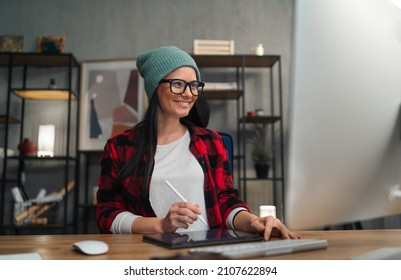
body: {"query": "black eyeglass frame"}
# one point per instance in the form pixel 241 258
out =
pixel 170 81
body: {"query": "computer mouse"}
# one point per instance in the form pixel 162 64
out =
pixel 91 247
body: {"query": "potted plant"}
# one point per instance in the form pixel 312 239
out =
pixel 261 154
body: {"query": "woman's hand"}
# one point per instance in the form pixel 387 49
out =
pixel 180 215
pixel 268 226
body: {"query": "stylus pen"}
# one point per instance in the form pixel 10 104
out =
pixel 183 199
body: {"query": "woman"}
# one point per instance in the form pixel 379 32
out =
pixel 167 174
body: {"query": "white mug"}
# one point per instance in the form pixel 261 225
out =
pixel 267 210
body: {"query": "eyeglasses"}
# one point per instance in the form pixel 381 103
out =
pixel 178 86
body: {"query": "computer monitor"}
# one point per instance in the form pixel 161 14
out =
pixel 344 148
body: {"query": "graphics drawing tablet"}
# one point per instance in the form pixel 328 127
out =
pixel 200 238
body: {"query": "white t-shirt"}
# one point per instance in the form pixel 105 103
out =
pixel 173 163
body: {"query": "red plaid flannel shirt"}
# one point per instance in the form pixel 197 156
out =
pixel 208 148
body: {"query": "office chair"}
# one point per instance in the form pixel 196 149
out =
pixel 230 147
pixel 200 112
pixel 199 115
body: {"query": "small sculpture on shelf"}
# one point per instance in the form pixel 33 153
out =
pixel 27 148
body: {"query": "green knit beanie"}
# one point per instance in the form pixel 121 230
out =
pixel 154 65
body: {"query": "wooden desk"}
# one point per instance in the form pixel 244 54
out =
pixel 342 245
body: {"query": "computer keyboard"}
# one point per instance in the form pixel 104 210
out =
pixel 263 248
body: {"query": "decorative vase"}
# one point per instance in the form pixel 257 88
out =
pixel 261 170
pixel 27 147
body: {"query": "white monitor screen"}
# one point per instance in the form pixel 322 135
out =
pixel 344 127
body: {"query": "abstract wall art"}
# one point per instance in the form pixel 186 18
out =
pixel 112 100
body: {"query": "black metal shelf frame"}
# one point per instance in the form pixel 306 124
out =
pixel 241 62
pixel 34 61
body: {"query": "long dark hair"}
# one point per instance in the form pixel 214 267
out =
pixel 145 147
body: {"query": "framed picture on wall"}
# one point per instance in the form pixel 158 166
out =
pixel 112 100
